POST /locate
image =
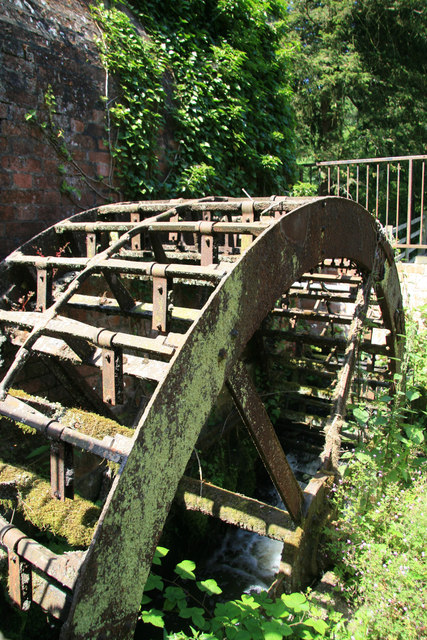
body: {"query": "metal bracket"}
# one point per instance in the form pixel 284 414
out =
pixel 61 470
pixel 112 376
pixel 248 216
pixel 173 236
pixel 44 289
pixel 135 242
pixel 90 245
pixel 207 243
pixel 160 304
pixel 20 583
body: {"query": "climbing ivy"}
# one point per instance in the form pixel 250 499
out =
pixel 136 112
pixel 205 89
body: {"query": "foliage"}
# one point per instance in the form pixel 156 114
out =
pixel 304 189
pixel 358 77
pixel 251 617
pixel 417 340
pixel 378 540
pixel 215 76
pixel 378 545
pixel 137 112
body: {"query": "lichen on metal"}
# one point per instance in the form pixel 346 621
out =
pixel 212 342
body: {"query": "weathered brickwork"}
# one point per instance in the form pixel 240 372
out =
pixel 46 44
pixel 413 279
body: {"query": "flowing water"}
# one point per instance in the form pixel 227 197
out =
pixel 245 561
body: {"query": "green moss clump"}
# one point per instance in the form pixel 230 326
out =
pixel 92 424
pixel 75 520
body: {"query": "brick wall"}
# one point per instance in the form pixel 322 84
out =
pixel 46 44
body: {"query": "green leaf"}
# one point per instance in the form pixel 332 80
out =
pixel 231 633
pixel 318 625
pixel 209 586
pixel 415 434
pixel 392 476
pixel 295 601
pixel 276 630
pixel 185 570
pixel 228 610
pixel 363 457
pixel 175 593
pixel 153 582
pixel 159 553
pixel 413 394
pixel 153 617
pixel 37 452
pixel 145 599
pixel 249 601
pixel 276 609
pixel 361 416
pixel 196 615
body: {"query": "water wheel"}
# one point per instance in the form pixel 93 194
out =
pixel 122 325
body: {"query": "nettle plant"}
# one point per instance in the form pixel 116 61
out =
pixel 193 608
pixel 210 77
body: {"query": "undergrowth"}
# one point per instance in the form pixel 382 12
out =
pixel 190 609
pixel 377 542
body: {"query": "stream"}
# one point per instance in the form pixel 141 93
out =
pixel 245 561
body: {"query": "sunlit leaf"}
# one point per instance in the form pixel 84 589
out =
pixel 276 630
pixel 294 601
pixel 209 586
pixel 361 416
pixel 159 553
pixel 413 394
pixel 153 617
pixel 185 569
pixel 318 625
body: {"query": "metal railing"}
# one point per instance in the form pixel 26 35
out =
pixel 391 188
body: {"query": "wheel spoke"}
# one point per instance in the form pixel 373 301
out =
pixel 255 417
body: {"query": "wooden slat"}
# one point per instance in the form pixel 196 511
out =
pixel 233 508
pixel 142 309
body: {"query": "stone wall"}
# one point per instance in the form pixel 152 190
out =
pixel 49 44
pixel 413 280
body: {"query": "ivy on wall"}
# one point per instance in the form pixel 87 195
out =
pixel 204 103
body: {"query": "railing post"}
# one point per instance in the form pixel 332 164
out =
pixel 397 202
pixel 409 216
pixel 367 187
pixel 377 195
pixel 357 183
pixel 423 239
pixel 387 198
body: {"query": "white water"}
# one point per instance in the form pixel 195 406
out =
pixel 248 562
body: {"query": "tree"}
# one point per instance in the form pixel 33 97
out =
pixel 359 76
